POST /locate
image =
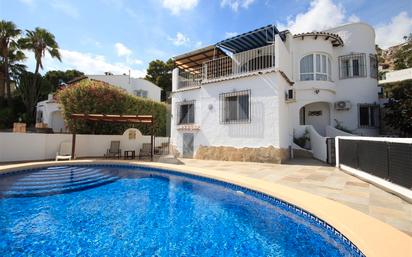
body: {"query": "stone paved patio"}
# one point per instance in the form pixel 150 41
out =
pixel 317 178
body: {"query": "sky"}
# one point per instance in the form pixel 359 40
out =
pixel 121 35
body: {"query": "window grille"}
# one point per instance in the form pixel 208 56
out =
pixel 235 107
pixel 373 66
pixel 352 66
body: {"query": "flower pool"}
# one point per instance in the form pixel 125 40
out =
pixel 124 210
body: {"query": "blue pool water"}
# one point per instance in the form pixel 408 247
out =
pixel 129 211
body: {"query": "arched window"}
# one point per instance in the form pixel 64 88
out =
pixel 315 67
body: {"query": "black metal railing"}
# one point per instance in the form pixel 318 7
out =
pixel 388 160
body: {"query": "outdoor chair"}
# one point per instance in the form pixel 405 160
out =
pixel 114 150
pixel 65 151
pixel 145 151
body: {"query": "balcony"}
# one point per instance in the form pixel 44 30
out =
pixel 229 67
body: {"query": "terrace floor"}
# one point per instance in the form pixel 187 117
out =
pixel 326 181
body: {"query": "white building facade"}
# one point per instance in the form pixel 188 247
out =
pixel 248 97
pixel 49 111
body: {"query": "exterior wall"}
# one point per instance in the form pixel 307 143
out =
pixel 130 84
pixel 34 146
pixel 273 120
pixel 52 115
pixel 358 38
pixel 263 129
pixel 396 76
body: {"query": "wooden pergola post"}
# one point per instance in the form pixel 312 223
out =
pixel 152 141
pixel 74 142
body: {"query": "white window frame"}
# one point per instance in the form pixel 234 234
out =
pixel 327 71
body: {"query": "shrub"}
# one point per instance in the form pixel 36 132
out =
pixel 96 97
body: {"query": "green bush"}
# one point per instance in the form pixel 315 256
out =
pixel 96 97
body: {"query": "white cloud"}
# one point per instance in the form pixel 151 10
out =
pixel 180 39
pixel 84 62
pixel 392 33
pixel 236 4
pixel 176 6
pixel 65 7
pixel 28 2
pixel 230 34
pixel 321 15
pixel 122 50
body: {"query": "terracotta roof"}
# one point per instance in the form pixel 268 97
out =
pixel 335 39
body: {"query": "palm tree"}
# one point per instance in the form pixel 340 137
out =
pixel 8 40
pixel 40 41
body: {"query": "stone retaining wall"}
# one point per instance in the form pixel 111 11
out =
pixel 226 153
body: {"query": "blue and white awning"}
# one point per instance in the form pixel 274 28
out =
pixel 251 40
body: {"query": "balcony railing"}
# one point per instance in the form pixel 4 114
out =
pixel 190 78
pixel 239 64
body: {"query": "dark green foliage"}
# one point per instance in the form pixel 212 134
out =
pixel 55 77
pixel 96 97
pixel 399 108
pixel 160 73
pixel 30 87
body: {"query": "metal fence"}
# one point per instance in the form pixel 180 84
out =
pixel 388 160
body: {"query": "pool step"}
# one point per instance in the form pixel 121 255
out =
pixel 51 182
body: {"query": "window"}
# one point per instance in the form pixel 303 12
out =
pixel 368 115
pixel 186 112
pixel 373 66
pixel 235 107
pixel 141 93
pixel 352 66
pixel 315 67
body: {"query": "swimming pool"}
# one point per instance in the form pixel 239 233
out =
pixel 123 210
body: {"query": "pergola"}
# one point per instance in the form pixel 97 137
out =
pixel 144 119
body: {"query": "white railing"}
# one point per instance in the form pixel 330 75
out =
pixel 190 78
pixel 254 60
pixel 241 63
pixel 317 142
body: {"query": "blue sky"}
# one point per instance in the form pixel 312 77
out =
pixel 118 35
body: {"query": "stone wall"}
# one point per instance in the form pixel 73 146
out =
pixel 225 153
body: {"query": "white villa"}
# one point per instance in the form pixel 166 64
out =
pixel 247 97
pixel 48 111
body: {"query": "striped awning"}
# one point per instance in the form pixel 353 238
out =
pixel 250 40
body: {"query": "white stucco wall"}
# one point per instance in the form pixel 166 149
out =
pixel 130 84
pixel 262 131
pixel 274 119
pixel 358 38
pixel 52 115
pixel 34 146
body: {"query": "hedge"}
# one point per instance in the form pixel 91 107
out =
pixel 97 97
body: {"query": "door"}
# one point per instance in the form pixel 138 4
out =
pixel 188 139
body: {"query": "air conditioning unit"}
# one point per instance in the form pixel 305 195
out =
pixel 342 105
pixel 290 95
